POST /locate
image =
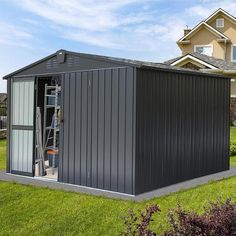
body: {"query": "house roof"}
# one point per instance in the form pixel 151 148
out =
pixel 225 13
pixel 119 61
pixel 211 61
pixel 207 26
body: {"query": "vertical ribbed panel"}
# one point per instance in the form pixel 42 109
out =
pixel 182 127
pixel 97 141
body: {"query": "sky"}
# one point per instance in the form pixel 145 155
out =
pixel 135 29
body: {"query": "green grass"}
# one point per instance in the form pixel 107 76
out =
pixel 233 138
pixel 28 210
pixel 2 154
pixel 233 134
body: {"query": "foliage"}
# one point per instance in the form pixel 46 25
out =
pixel 232 148
pixel 139 224
pixel 234 123
pixel 219 219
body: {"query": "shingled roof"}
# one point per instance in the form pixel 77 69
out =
pixel 218 63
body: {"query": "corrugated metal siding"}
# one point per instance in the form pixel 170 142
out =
pixel 182 127
pixel 97 138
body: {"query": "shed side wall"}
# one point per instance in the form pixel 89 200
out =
pixel 182 127
pixel 98 130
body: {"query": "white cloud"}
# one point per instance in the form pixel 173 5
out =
pixel 111 24
pixel 13 36
pixel 83 14
pixel 206 7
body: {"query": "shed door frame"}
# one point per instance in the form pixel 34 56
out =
pixel 22 126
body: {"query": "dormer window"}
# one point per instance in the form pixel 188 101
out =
pixel 220 23
pixel 204 49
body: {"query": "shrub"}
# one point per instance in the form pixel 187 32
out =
pixel 218 220
pixel 232 148
pixel 138 225
pixel 234 123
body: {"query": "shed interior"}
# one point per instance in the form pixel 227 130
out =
pixel 47 126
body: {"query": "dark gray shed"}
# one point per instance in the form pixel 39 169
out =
pixel 125 125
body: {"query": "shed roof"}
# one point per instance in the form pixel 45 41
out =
pixel 110 60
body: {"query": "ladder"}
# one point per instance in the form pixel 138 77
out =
pixel 50 131
pixel 39 146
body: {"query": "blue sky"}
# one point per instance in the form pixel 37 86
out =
pixel 136 29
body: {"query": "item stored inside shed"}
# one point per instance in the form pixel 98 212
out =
pixel 48 103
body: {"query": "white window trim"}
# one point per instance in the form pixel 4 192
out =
pixel 208 45
pixel 233 45
pixel 194 59
pixel 223 22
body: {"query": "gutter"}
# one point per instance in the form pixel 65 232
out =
pixel 219 71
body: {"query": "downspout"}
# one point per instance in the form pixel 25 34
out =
pixel 225 48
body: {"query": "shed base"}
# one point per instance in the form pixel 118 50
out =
pixel 99 192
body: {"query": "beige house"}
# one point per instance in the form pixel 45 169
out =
pixel 211 47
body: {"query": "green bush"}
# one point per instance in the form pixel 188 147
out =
pixel 233 148
pixel 234 123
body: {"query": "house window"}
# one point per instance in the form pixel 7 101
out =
pixel 220 23
pixel 233 54
pixel 204 49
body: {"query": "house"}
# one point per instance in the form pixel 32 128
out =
pixel 116 124
pixel 3 98
pixel 211 47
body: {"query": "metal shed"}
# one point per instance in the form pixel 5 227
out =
pixel 125 126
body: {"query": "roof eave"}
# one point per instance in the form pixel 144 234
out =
pixel 220 10
pixel 28 66
pixel 191 57
pixel 202 24
pixel 183 42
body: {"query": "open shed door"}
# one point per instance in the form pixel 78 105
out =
pixel 22 113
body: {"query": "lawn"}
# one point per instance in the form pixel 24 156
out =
pixel 233 138
pixel 27 210
pixel 2 154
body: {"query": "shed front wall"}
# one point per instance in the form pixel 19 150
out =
pixel 182 127
pixel 97 134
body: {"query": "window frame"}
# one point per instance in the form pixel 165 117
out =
pixel 220 19
pixel 232 53
pixel 207 45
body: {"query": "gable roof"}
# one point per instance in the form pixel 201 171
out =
pixel 225 13
pixel 210 28
pixel 111 60
pixel 211 62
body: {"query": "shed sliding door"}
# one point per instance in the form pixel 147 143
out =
pixel 22 110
